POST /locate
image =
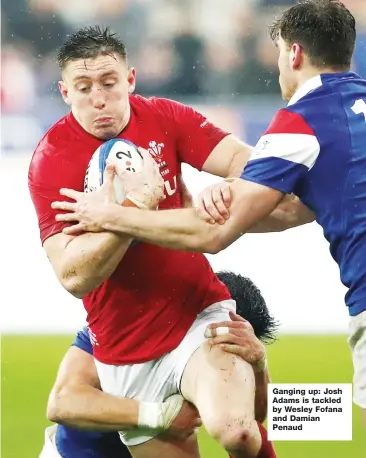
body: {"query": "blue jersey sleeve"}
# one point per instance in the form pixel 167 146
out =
pixel 82 341
pixel 284 154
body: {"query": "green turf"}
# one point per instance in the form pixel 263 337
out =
pixel 29 365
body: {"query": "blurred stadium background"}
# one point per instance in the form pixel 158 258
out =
pixel 214 55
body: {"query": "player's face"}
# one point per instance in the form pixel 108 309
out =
pixel 287 75
pixel 97 91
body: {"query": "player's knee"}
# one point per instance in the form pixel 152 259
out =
pixel 235 434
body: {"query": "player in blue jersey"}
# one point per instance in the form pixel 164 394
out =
pixel 76 400
pixel 314 148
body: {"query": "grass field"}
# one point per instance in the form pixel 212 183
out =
pixel 29 365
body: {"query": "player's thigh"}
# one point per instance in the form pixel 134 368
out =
pixel 164 446
pixel 222 387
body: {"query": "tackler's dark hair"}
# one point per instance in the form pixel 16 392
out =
pixel 250 304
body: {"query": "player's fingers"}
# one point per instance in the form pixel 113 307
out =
pixel 71 193
pixel 230 324
pixel 129 179
pixel 108 175
pixel 225 331
pixel 235 324
pixel 108 179
pixel 242 331
pixel 236 317
pixel 218 200
pixel 144 153
pixel 149 163
pixel 74 230
pixel 228 338
pixel 247 325
pixel 150 166
pixel 226 194
pixel 202 212
pixel 66 217
pixel 233 349
pixel 253 357
pixel 221 330
pixel 211 208
pixel 66 206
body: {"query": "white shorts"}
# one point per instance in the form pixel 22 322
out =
pixel 357 342
pixel 156 380
pixel 49 449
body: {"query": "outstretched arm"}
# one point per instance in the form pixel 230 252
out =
pixel 76 400
pixel 183 229
pixel 289 213
pixel 177 229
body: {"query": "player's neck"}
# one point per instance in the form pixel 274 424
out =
pixel 311 72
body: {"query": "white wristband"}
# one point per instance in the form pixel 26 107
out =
pixel 150 414
pixel 156 415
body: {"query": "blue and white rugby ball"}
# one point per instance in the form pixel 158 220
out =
pixel 121 153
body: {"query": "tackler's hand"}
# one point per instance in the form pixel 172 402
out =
pixel 214 201
pixel 237 337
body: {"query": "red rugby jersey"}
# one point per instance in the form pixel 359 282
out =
pixel 146 307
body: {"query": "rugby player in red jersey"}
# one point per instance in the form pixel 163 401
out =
pixel 147 306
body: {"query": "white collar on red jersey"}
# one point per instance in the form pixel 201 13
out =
pixel 309 85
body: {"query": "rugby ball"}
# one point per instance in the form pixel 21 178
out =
pixel 121 153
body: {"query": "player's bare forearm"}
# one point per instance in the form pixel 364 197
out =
pixel 84 407
pixel 84 262
pixel 185 230
pixel 277 221
pixel 93 258
pixel 178 229
pixel 288 214
pixel 76 398
pixel 261 397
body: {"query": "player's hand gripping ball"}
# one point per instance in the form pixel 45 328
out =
pixel 137 181
pixel 120 153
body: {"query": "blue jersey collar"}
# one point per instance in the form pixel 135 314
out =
pixel 317 81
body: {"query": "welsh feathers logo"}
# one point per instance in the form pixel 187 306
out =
pixel 155 149
pixel 93 338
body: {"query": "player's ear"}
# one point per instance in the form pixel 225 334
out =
pixel 131 78
pixel 64 92
pixel 296 56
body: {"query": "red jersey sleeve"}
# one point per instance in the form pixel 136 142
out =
pixel 196 137
pixel 49 171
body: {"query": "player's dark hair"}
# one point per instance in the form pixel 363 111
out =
pixel 325 29
pixel 90 42
pixel 250 304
